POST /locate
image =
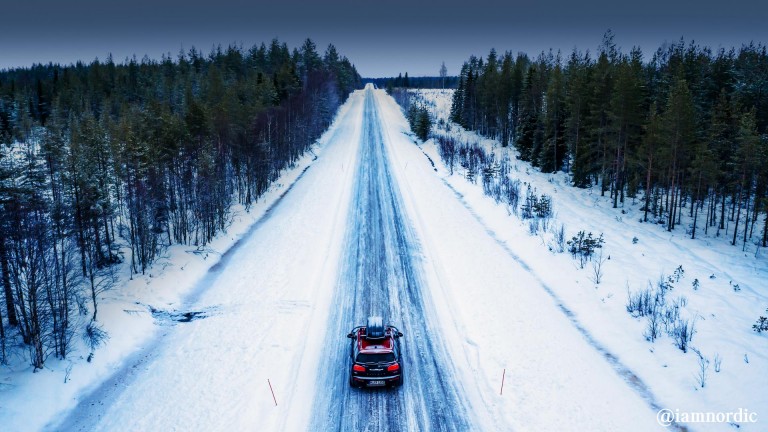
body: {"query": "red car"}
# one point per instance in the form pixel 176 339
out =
pixel 375 352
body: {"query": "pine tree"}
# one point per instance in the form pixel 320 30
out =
pixel 578 102
pixel 648 157
pixel 679 132
pixel 504 95
pixel 627 108
pixel 527 134
pixel 457 105
pixel 518 75
pixel 749 146
pixel 703 173
pixel 488 96
pixel 599 121
pixel 553 151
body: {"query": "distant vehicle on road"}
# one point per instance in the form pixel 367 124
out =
pixel 375 353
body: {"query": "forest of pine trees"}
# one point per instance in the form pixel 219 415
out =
pixel 104 163
pixel 685 131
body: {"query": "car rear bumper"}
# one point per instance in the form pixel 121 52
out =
pixel 373 381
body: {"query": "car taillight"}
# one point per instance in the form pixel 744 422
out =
pixel 394 367
pixel 358 368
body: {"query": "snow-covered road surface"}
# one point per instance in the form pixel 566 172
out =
pixel 369 228
pixel 381 275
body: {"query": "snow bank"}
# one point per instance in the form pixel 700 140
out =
pixel 726 299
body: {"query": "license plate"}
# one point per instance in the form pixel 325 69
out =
pixel 375 383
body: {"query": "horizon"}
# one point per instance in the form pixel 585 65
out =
pixel 380 42
pixel 321 49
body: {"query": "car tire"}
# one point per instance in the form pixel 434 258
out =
pixel 399 382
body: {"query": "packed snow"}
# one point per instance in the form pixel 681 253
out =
pixel 382 274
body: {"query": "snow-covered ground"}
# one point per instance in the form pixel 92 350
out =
pixel 178 284
pixel 570 355
pixel 732 286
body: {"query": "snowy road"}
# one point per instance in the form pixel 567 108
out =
pixel 369 228
pixel 381 274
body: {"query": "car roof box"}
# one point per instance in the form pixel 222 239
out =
pixel 375 328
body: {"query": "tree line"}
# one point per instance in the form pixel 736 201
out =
pixel 686 130
pixel 107 162
pixel 425 82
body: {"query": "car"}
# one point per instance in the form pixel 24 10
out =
pixel 376 355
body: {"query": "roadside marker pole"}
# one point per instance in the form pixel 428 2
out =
pixel 501 392
pixel 273 392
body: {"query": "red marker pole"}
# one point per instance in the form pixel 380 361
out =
pixel 501 392
pixel 273 392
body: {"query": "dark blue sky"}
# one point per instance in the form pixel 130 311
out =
pixel 382 38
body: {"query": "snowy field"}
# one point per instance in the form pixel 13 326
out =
pixel 724 289
pixel 198 343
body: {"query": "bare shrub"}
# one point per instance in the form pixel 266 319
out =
pixel 545 222
pixel 718 361
pixel 510 191
pixel 533 227
pixel 597 267
pixel 559 239
pixel 653 330
pixel 490 172
pixel 665 284
pixel 701 376
pixel 672 314
pixel 682 333
pixel 641 303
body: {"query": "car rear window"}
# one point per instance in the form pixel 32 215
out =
pixel 375 358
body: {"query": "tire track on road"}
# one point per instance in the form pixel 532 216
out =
pixel 382 274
